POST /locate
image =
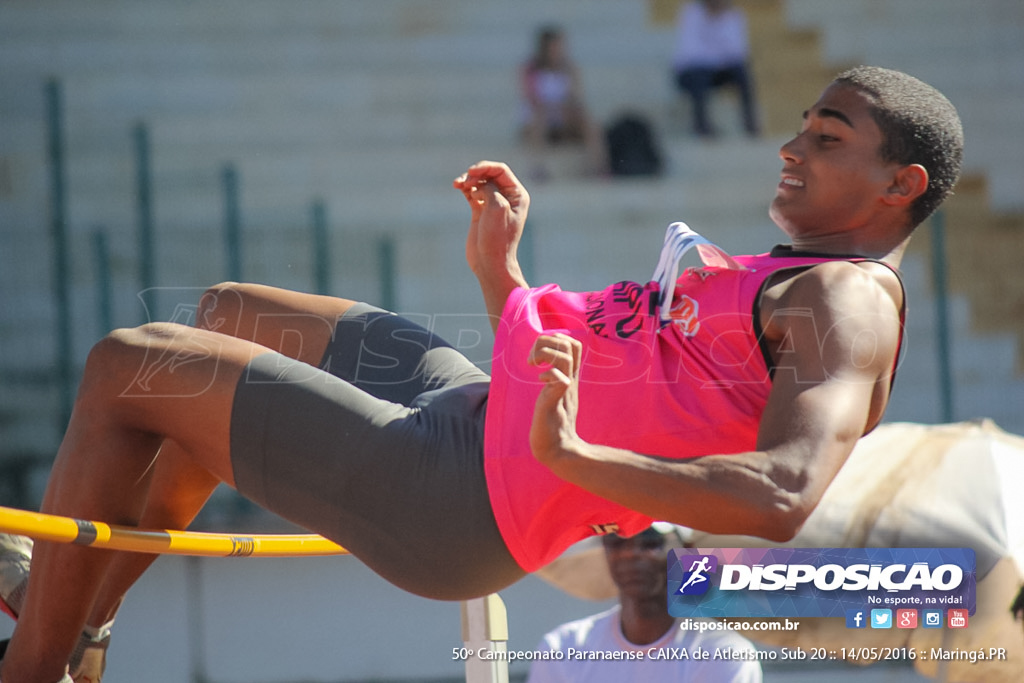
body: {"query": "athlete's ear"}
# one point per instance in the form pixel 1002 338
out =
pixel 908 183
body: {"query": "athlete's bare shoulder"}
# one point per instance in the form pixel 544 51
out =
pixel 835 285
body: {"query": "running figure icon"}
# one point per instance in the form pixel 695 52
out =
pixel 698 569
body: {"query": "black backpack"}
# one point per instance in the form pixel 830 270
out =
pixel 632 150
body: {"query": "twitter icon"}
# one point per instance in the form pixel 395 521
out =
pixel 881 618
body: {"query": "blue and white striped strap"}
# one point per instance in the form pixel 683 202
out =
pixel 679 239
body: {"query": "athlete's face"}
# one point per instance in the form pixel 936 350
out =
pixel 638 564
pixel 833 177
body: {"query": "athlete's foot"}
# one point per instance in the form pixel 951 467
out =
pixel 89 659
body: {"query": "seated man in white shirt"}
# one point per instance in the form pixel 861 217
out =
pixel 712 50
pixel 638 640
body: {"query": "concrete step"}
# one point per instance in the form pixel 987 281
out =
pixel 169 36
pixel 279 181
pixel 396 18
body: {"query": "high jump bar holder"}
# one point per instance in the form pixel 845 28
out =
pixel 484 620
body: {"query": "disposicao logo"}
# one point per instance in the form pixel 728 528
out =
pixel 696 579
pixel 823 582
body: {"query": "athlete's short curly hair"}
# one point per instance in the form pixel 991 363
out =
pixel 919 126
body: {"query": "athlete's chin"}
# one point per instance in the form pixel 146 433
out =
pixel 782 216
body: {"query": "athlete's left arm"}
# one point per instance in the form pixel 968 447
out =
pixel 499 204
pixel 836 333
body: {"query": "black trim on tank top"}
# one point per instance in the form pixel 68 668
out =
pixel 782 251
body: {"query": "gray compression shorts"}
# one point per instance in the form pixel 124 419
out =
pixel 383 454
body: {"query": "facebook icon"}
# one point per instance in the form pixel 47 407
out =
pixel 855 618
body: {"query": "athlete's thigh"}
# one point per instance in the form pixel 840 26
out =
pixel 395 359
pixel 386 355
pixel 172 381
pixel 296 324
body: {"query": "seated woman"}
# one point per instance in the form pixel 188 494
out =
pixel 553 111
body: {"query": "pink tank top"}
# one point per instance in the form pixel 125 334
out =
pixel 675 377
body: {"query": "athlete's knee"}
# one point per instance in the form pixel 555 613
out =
pixel 129 368
pixel 155 359
pixel 114 345
pixel 131 343
pixel 220 307
pixel 113 360
pixel 128 343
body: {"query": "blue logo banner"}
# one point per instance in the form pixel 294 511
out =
pixel 818 582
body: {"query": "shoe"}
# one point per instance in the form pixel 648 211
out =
pixel 15 556
pixel 89 658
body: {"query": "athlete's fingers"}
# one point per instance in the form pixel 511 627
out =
pixel 560 381
pixel 499 174
pixel 480 192
pixel 561 344
pixel 468 187
pixel 495 171
pixel 577 355
pixel 557 351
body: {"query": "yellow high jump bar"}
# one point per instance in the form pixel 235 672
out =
pixel 45 527
pixel 484 623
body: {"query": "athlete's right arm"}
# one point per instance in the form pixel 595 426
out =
pixel 498 203
pixel 843 341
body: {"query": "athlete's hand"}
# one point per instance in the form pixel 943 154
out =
pixel 553 431
pixel 499 204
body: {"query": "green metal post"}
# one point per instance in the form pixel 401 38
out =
pixel 144 210
pixel 526 251
pixel 321 249
pixel 58 232
pixel 386 263
pixel 232 224
pixel 104 287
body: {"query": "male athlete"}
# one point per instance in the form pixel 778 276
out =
pixel 724 400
